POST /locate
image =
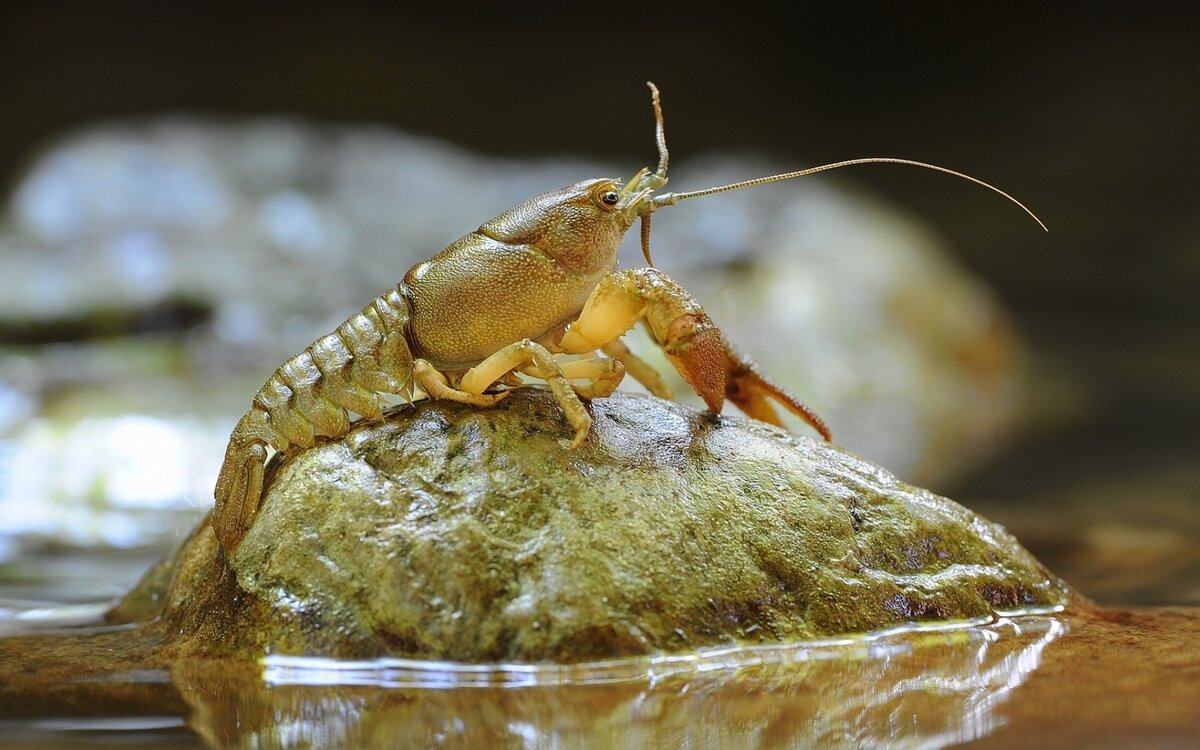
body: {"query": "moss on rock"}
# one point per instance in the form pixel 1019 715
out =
pixel 449 532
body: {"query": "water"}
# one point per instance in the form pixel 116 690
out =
pixel 908 687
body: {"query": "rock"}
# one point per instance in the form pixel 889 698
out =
pixel 454 533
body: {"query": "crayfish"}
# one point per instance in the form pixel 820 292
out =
pixel 537 282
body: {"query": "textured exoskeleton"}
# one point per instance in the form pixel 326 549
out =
pixel 538 281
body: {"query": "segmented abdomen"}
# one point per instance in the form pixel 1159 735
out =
pixel 309 395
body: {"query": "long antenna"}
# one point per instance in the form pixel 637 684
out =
pixel 670 199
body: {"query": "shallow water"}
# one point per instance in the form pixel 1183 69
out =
pixel 1082 678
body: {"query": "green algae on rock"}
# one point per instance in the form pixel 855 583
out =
pixel 454 533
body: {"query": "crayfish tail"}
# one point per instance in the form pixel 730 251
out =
pixel 239 487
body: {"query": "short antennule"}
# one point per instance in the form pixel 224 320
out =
pixel 658 178
pixel 660 137
pixel 670 199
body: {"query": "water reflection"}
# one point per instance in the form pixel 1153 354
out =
pixel 924 689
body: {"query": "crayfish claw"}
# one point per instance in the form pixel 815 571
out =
pixel 697 350
pixel 692 342
pixel 752 390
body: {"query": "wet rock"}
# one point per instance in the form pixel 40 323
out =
pixel 449 532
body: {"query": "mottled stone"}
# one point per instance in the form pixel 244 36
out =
pixel 449 532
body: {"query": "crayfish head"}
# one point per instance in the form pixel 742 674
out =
pixel 580 226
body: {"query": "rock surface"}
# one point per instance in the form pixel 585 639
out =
pixel 455 533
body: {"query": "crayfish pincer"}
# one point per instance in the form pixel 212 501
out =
pixel 538 281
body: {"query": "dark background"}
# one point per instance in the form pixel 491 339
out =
pixel 1091 116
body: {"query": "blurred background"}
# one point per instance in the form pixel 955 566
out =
pixel 193 192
